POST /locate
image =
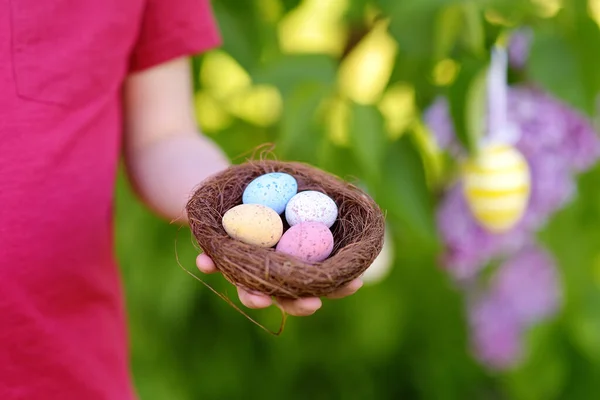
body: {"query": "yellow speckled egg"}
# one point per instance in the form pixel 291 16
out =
pixel 497 187
pixel 253 224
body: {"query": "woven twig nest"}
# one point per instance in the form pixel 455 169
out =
pixel 358 233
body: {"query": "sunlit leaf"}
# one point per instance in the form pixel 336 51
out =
pixel 314 27
pixel 476 106
pixel 365 71
pixel 398 108
pixel 222 75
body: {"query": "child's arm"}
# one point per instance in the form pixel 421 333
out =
pixel 166 157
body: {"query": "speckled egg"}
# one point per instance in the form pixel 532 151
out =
pixel 253 224
pixel 273 190
pixel 311 206
pixel 308 241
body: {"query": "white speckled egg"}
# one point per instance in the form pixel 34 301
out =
pixel 311 206
pixel 273 190
pixel 308 241
pixel 253 224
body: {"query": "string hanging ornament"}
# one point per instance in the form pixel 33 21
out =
pixel 496 180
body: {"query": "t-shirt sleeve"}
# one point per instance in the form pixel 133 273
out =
pixel 174 28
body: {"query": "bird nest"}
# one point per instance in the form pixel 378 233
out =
pixel 358 233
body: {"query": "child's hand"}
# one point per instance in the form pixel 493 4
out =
pixel 300 307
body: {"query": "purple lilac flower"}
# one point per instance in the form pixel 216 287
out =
pixel 551 126
pixel 529 284
pixel 495 339
pixel 552 186
pixel 524 290
pixel 557 143
pixel 519 46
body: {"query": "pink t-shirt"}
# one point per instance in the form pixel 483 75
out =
pixel 62 65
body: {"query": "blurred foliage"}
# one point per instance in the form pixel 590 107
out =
pixel 342 84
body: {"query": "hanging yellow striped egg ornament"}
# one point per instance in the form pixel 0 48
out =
pixel 497 187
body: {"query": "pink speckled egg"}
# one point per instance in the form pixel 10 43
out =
pixel 308 241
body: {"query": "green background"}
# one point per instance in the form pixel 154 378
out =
pixel 405 337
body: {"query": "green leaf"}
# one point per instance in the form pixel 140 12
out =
pixel 394 7
pixel 299 137
pixel 585 326
pixel 239 31
pixel 449 24
pixel 356 11
pixel 585 41
pixel 368 139
pixel 288 71
pixel 473 34
pixel 476 106
pixel 413 24
pixel 579 263
pixel 290 4
pixel 552 64
pixel 382 333
pixel 466 97
pixel 403 193
pixel 339 161
pixel 543 374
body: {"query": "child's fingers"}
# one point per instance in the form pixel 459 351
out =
pixel 347 290
pixel 205 264
pixel 252 300
pixel 300 307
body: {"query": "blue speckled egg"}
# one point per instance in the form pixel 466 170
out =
pixel 273 190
